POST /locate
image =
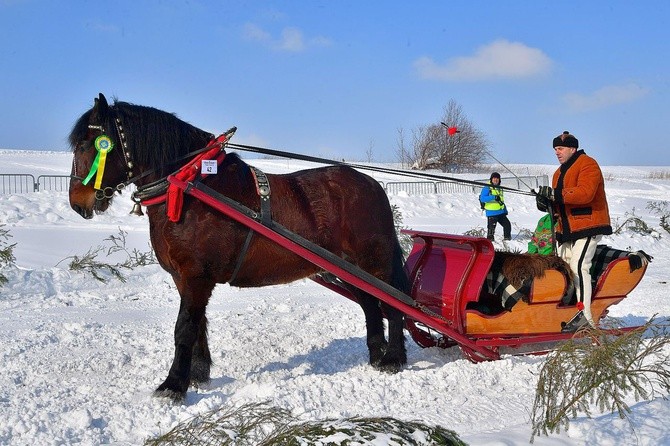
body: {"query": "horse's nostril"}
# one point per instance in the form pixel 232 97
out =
pixel 81 211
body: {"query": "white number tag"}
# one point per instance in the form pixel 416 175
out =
pixel 209 166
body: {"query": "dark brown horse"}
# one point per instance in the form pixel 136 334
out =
pixel 335 207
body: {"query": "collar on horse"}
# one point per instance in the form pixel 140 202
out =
pixel 165 191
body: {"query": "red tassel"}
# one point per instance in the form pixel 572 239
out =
pixel 175 195
pixel 175 201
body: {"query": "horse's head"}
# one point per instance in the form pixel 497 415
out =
pixel 99 166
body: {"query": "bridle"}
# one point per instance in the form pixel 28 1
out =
pixel 98 167
pixel 147 190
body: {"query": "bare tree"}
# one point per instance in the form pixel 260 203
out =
pixel 369 155
pixel 436 147
pixel 402 153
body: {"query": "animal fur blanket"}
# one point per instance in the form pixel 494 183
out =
pixel 511 275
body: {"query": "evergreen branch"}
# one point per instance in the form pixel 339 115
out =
pixel 600 370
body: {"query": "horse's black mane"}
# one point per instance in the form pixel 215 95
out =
pixel 156 139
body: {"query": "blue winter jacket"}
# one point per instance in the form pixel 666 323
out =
pixel 491 206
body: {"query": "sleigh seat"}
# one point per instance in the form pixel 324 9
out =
pixel 546 305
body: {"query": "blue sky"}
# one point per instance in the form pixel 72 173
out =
pixel 339 78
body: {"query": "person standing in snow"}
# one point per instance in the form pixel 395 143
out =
pixel 493 200
pixel 577 198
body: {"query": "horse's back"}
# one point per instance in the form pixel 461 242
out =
pixel 334 195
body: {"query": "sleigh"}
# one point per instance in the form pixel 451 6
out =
pixel 448 274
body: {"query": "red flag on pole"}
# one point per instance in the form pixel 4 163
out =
pixel 452 131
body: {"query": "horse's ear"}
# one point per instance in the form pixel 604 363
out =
pixel 101 102
pixel 100 107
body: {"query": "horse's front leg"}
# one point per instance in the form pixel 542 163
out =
pixel 192 358
pixel 202 359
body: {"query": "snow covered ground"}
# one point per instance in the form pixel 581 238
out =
pixel 80 359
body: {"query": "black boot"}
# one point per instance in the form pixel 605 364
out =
pixel 577 322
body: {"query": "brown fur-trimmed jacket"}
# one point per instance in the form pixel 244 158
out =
pixel 579 199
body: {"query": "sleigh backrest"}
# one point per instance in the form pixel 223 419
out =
pixel 447 271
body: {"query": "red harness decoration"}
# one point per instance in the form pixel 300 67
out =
pixel 174 195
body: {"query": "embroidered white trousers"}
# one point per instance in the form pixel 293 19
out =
pixel 579 255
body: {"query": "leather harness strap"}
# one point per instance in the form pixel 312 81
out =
pixel 263 189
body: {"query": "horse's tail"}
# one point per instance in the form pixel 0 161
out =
pixel 399 277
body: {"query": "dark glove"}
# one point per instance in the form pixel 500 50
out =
pixel 546 192
pixel 543 198
pixel 638 259
pixel 498 199
pixel 540 202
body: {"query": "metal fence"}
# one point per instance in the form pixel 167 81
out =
pixel 21 183
pixel 522 182
pixel 446 187
pixel 17 183
pixel 57 183
pixel 426 187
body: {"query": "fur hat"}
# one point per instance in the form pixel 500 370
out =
pixel 565 139
pixel 494 175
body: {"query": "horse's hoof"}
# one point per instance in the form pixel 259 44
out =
pixel 388 366
pixel 170 389
pixel 200 374
pixel 201 384
pixel 391 363
pixel 172 395
pixel 376 361
pixel 391 368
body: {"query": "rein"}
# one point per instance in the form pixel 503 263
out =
pixel 155 191
pixel 421 175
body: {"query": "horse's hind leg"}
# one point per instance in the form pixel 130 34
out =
pixel 374 324
pixel 385 356
pixel 396 355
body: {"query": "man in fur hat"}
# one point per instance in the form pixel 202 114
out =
pixel 577 199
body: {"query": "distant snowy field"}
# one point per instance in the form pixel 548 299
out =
pixel 80 359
